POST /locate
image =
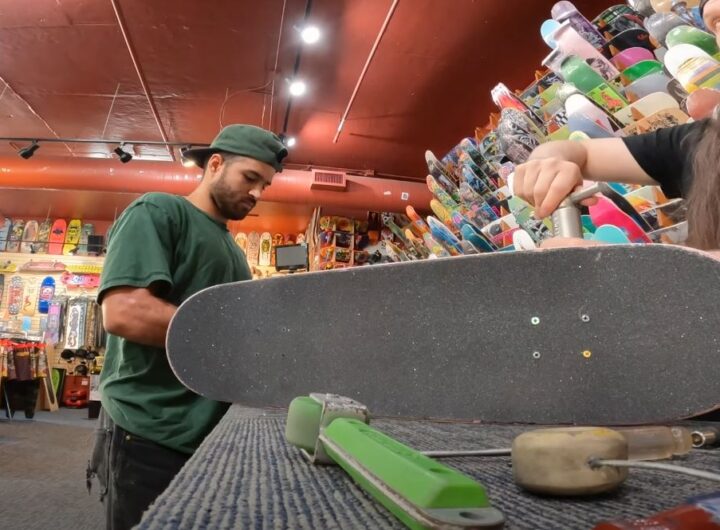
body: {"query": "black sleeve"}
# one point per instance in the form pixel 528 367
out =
pixel 667 155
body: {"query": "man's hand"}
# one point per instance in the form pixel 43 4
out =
pixel 565 242
pixel 546 182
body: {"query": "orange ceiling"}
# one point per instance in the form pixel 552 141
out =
pixel 69 72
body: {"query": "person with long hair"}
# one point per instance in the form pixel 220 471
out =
pixel 683 160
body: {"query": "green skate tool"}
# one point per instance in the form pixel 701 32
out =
pixel 419 491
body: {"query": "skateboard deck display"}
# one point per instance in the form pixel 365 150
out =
pixel 57 237
pixel 72 237
pixel 47 291
pixel 253 248
pixel 570 344
pixel 5 230
pixel 30 234
pixel 43 237
pixel 15 296
pixel 265 249
pixel 16 234
pixel 30 298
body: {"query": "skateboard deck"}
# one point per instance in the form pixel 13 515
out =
pixel 253 248
pixel 47 291
pixel 578 342
pixel 30 298
pixel 15 296
pixel 265 249
pixel 72 237
pixel 627 58
pixel 30 234
pixel 5 230
pixel 41 244
pixel 57 237
pixel 16 234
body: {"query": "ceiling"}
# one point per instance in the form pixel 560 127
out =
pixel 68 72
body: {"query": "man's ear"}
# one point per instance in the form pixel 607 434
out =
pixel 213 164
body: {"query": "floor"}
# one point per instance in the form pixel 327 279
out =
pixel 42 472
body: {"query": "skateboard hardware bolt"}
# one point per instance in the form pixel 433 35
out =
pixel 535 321
pixel 585 318
pixel 587 354
pixel 536 355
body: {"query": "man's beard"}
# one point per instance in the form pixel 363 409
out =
pixel 222 197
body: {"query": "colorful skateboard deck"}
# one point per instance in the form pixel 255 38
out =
pixel 571 346
pixel 626 58
pixel 41 243
pixel 29 237
pixel 47 291
pixel 72 237
pixel 641 69
pixel 2 289
pixel 693 67
pixel 566 12
pixel 650 84
pixel 659 25
pixel 57 237
pixel 588 81
pixel 75 326
pixel 16 234
pixel 265 249
pixel 30 298
pixel 646 107
pixel 5 230
pixel 693 36
pixel 15 295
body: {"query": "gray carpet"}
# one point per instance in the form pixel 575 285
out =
pixel 42 472
pixel 246 476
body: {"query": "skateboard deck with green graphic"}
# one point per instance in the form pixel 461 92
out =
pixel 601 335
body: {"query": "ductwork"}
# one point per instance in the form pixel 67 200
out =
pixel 290 186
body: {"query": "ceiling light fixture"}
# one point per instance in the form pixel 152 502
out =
pixel 123 155
pixel 297 88
pixel 29 151
pixel 290 142
pixel 310 34
pixel 186 162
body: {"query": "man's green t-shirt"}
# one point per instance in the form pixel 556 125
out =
pixel 163 239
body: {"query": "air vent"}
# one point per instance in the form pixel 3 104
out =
pixel 325 180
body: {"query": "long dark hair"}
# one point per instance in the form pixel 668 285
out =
pixel 704 197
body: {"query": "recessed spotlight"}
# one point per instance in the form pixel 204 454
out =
pixel 290 142
pixel 298 88
pixel 29 151
pixel 310 34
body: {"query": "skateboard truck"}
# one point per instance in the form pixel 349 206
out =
pixel 419 491
pixel 566 218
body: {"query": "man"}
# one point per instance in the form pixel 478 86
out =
pixel 664 158
pixel 162 250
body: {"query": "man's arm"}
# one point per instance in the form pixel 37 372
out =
pixel 137 314
pixel 555 169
